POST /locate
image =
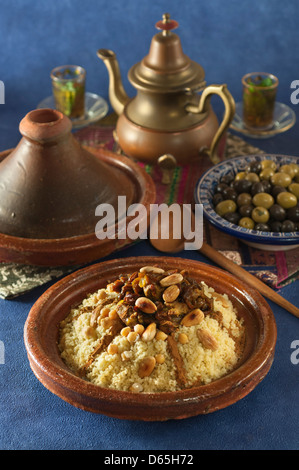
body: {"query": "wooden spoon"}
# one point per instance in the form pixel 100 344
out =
pixel 175 245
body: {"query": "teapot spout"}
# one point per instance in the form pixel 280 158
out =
pixel 117 95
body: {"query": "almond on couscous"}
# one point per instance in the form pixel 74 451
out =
pixel 152 331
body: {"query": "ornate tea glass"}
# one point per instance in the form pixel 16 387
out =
pixel 68 85
pixel 259 96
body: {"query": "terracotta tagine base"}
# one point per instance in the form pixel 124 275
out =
pixel 41 333
pixel 50 187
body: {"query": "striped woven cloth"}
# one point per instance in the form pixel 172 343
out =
pixel 274 268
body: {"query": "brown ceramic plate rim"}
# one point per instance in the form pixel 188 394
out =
pixel 230 388
pixel 37 248
pixel 118 161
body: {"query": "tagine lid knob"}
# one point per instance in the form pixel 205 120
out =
pixel 44 125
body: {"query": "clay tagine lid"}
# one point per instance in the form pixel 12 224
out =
pixel 166 68
pixel 50 186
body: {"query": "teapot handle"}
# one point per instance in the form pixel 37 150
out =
pixel 230 106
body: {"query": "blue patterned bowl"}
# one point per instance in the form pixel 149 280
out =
pixel 204 191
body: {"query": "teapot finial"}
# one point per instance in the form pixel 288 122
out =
pixel 166 24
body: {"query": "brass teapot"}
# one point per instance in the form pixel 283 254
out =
pixel 171 112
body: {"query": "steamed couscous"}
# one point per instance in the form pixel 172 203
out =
pixel 155 330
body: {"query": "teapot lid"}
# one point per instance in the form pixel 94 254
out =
pixel 166 68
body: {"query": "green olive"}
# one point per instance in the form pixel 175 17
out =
pixel 289 169
pixel 252 177
pixel 240 176
pixel 268 164
pixel 243 199
pixel 294 189
pixel 260 214
pixel 246 222
pixel 266 173
pixel 263 200
pixel 226 206
pixel 281 179
pixel 286 200
pixel 295 168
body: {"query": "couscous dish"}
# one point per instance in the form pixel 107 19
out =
pixel 155 330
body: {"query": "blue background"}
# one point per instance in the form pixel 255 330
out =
pixel 228 38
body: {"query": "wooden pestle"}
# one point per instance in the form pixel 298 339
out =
pixel 245 276
pixel 172 245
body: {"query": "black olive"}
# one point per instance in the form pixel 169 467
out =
pixel 277 212
pixel 229 193
pixel 267 186
pixel 276 226
pixel 288 226
pixel 293 213
pixel 255 166
pixel 232 217
pixel 263 227
pixel 276 190
pixel 217 198
pixel 233 184
pixel 257 187
pixel 227 179
pixel 243 186
pixel 246 210
pixel 220 187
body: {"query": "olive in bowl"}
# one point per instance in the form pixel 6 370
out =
pixel 261 213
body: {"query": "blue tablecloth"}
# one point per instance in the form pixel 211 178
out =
pixel 31 417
